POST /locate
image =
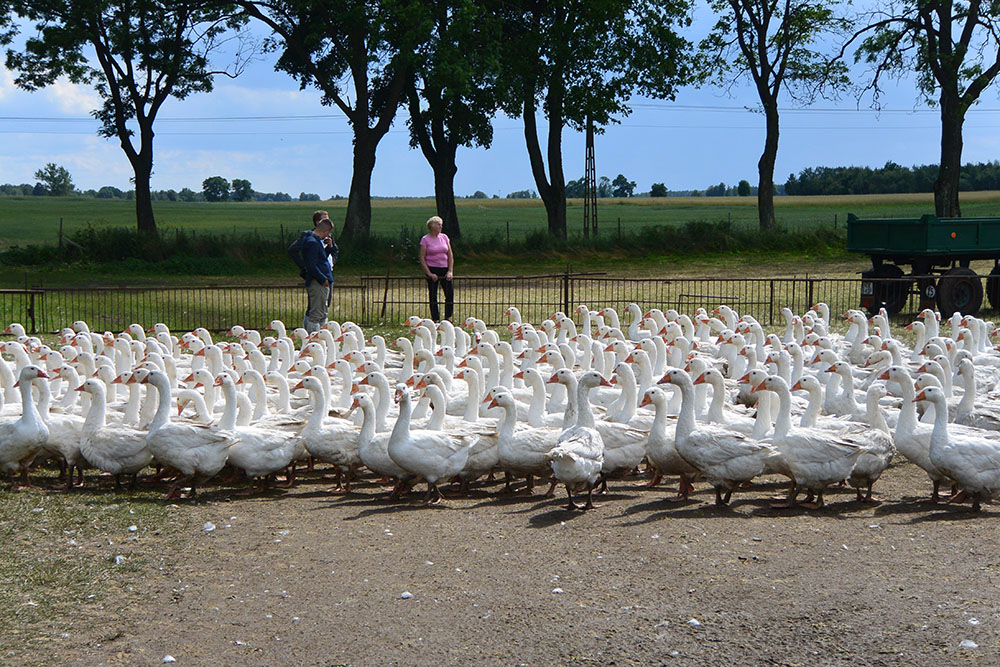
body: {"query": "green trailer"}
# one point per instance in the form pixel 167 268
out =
pixel 938 252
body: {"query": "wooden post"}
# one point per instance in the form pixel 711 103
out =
pixel 566 290
pixel 508 236
pixel 282 235
pixel 770 309
pixel 60 236
pixel 388 270
pixel 834 222
pixel 619 229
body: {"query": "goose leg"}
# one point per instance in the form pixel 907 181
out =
pixel 809 503
pixel 684 489
pixel 975 503
pixel 118 483
pixel 935 495
pixel 552 489
pixel 590 500
pixel 603 485
pixel 657 478
pixel 958 497
pixel 793 492
pixel 571 505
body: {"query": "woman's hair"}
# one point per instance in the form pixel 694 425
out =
pixel 434 218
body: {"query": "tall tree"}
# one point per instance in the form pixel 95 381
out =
pixel 954 48
pixel 451 94
pixel 344 48
pixel 774 44
pixel 56 179
pixel 580 60
pixel 145 51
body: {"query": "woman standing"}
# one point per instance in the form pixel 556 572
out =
pixel 438 263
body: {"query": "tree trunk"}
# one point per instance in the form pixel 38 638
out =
pixel 358 220
pixel 950 168
pixel 765 169
pixel 144 202
pixel 553 194
pixel 142 166
pixel 444 190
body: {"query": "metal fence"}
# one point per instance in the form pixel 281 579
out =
pixel 380 300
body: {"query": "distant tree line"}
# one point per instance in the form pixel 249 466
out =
pixel 888 179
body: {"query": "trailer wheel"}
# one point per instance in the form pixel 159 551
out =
pixel 892 293
pixel 959 290
pixel 993 287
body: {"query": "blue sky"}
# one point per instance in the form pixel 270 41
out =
pixel 702 138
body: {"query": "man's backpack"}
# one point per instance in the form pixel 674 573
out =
pixel 295 252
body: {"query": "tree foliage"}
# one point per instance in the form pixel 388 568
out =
pixel 241 190
pixel 135 53
pixel 451 95
pixel 658 190
pixel 215 188
pixel 774 45
pixel 954 49
pixel 743 189
pixel 622 187
pixel 578 61
pixel 360 49
pixel 56 179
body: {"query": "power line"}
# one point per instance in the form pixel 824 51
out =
pixel 638 105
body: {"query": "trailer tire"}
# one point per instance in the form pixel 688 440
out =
pixel 959 290
pixel 892 293
pixel 993 287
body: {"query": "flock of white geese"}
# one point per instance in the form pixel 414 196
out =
pixel 710 397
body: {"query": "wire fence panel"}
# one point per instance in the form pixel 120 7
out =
pixel 374 300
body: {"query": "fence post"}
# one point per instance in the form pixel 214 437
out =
pixel 508 236
pixel 60 236
pixel 770 308
pixel 566 290
pixel 809 293
pixel 282 235
pixel 31 312
pixel 385 294
pixel 619 229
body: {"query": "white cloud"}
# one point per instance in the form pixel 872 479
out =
pixel 71 98
pixel 7 87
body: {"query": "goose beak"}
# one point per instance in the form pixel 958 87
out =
pixel 298 386
pixel 664 379
pixel 700 379
pixel 745 379
pixel 493 404
pixel 797 386
pixel 519 375
pixel 922 396
pixel 645 401
pixel 554 378
pixel 80 388
pixel 758 387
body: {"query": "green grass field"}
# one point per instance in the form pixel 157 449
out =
pixel 35 220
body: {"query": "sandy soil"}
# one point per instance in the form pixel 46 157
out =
pixel 302 577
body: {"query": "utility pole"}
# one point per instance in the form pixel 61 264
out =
pixel 590 185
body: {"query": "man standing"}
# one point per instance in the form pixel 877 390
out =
pixel 319 252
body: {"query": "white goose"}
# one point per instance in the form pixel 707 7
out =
pixel 660 446
pixel 973 462
pixel 21 439
pixel 816 458
pixel 116 449
pixel 878 439
pixel 428 455
pixel 198 452
pixel 578 457
pixel 259 452
pixel 723 457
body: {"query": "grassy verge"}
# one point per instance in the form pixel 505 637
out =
pixel 64 554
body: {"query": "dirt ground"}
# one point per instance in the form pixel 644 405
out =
pixel 302 577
